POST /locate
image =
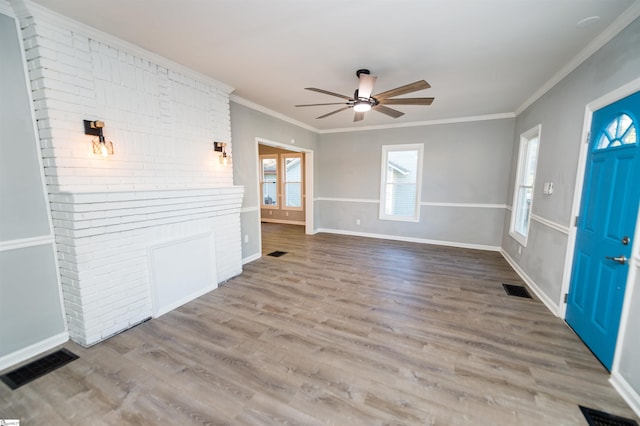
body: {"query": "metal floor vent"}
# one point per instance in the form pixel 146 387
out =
pixel 516 290
pixel 599 418
pixel 38 368
pixel 277 253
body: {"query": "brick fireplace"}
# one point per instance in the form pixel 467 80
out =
pixel 103 241
pixel 163 184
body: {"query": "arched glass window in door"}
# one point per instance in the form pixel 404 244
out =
pixel 620 131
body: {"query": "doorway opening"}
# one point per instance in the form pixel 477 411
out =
pixel 285 186
pixel 282 185
pixel 600 289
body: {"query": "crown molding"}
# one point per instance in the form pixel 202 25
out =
pixel 264 110
pixel 26 8
pixel 242 101
pixel 424 123
pixel 626 18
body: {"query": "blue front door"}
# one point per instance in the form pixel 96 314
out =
pixel 606 224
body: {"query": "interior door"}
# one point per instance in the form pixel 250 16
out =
pixel 606 224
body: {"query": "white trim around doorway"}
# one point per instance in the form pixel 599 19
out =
pixel 308 176
pixel 605 100
pixel 632 398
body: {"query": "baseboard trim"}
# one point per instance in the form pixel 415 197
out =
pixel 410 239
pixel 251 258
pixel 553 307
pixel 625 390
pixel 34 350
pixel 286 222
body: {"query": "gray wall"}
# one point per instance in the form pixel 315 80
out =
pixel 30 309
pixel 561 113
pixel 246 125
pixel 465 164
pixel 22 207
pixel 30 305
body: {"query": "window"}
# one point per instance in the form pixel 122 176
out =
pixel 523 190
pixel 269 180
pixel 401 178
pixel 292 180
pixel 620 131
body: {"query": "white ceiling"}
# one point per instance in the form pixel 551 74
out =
pixel 480 56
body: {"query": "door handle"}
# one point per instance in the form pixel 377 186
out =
pixel 620 259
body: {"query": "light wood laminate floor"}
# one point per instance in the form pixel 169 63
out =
pixel 341 330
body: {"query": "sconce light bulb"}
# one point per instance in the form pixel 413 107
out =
pixel 99 145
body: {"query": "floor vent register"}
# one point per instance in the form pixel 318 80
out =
pixel 516 290
pixel 38 368
pixel 600 418
pixel 277 253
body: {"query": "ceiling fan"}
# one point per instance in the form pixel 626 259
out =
pixel 362 100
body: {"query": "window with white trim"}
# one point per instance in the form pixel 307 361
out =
pixel 400 183
pixel 269 181
pixel 620 131
pixel 524 185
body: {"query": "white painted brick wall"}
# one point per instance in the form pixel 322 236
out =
pixel 162 122
pixel 103 240
pixel 163 183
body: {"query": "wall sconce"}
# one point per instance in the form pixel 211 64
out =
pixel 222 148
pixel 100 145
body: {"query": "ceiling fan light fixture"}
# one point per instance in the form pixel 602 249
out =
pixel 363 100
pixel 362 106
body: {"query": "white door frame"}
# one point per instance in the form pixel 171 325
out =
pixel 308 182
pixel 634 261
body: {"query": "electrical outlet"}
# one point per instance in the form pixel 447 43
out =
pixel 286 213
pixel 246 238
pixel 357 221
pixel 270 213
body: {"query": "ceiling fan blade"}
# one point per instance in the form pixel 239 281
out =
pixel 359 116
pixel 389 111
pixel 333 112
pixel 407 101
pixel 326 92
pixel 366 85
pixel 331 103
pixel 408 88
